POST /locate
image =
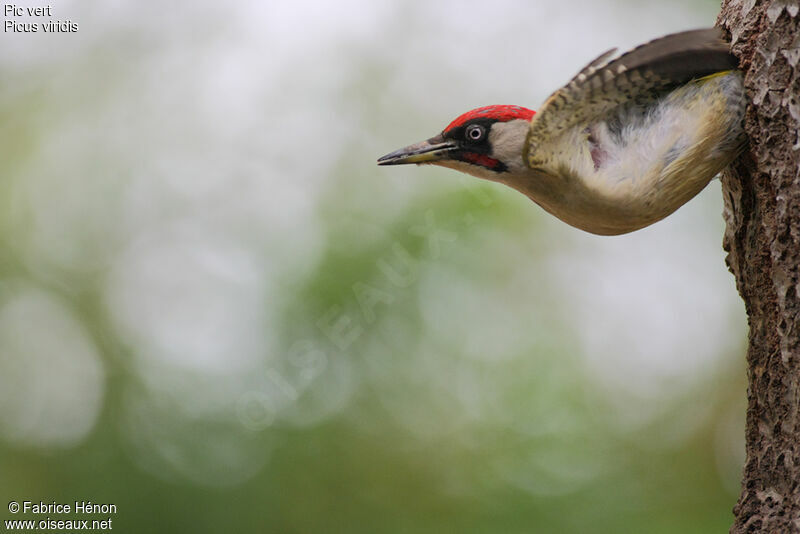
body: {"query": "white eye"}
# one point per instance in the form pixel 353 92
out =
pixel 475 132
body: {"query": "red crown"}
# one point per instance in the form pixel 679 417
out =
pixel 499 113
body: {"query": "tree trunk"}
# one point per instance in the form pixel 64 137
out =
pixel 762 238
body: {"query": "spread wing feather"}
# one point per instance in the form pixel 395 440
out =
pixel 636 77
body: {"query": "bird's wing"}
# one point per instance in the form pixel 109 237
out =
pixel 636 77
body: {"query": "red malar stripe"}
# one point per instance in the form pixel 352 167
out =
pixel 481 159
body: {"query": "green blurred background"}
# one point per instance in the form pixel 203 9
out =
pixel 218 313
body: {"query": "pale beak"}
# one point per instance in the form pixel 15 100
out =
pixel 430 151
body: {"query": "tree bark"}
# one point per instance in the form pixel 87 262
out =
pixel 762 238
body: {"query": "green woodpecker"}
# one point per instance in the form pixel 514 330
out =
pixel 624 144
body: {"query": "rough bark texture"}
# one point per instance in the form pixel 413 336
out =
pixel 762 210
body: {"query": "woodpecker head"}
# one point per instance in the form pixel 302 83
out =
pixel 486 142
